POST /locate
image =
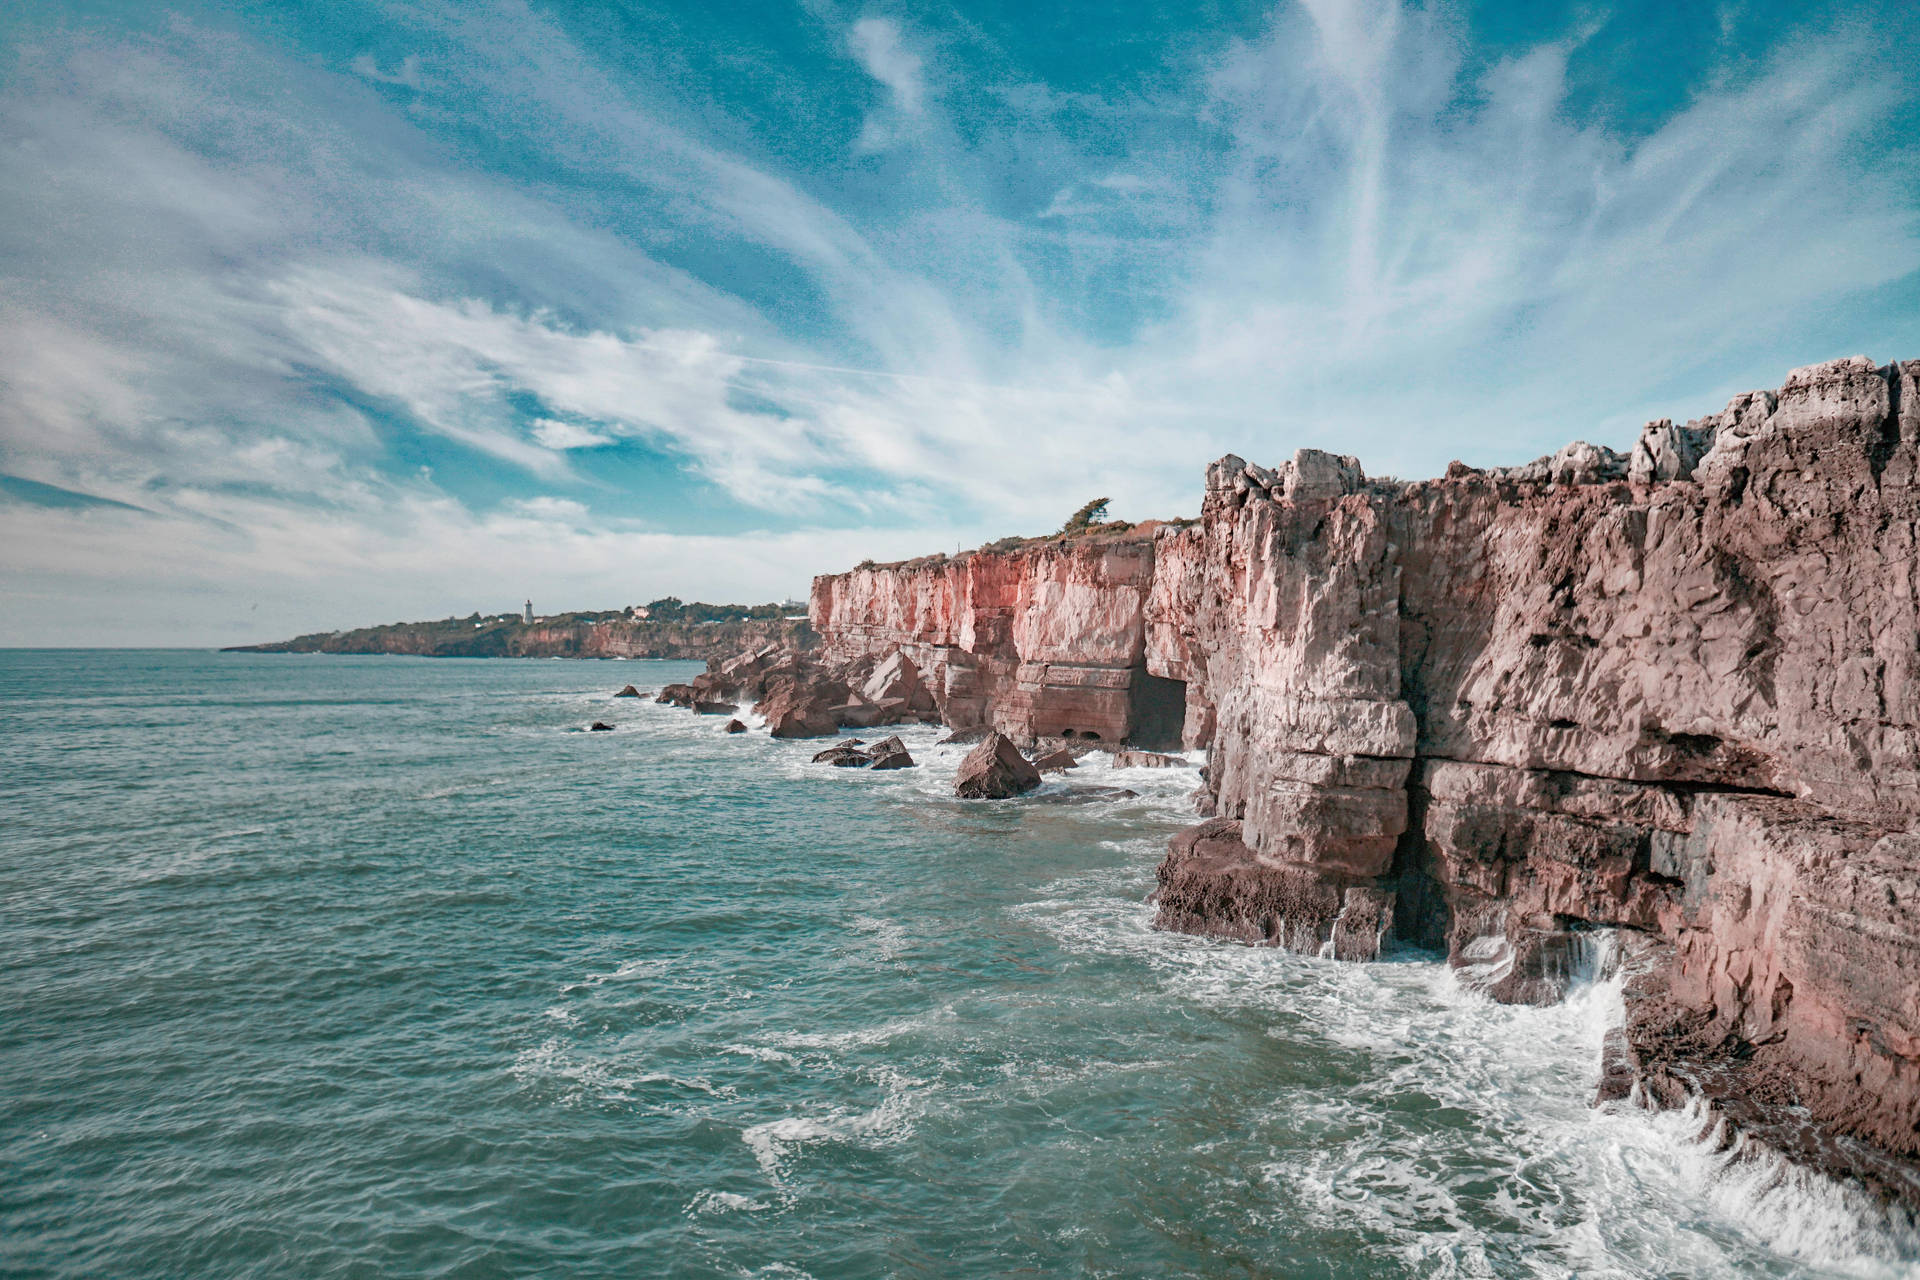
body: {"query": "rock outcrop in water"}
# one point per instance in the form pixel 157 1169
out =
pixel 1674 693
pixel 995 770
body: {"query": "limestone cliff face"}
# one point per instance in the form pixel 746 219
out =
pixel 1675 691
pixel 1044 641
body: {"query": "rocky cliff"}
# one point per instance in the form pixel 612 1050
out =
pixel 1675 693
pixel 1045 641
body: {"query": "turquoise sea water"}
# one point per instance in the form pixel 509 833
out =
pixel 320 966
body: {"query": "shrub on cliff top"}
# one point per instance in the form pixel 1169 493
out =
pixel 1086 517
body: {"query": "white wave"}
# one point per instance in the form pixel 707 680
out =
pixel 889 940
pixel 627 971
pixel 760 1053
pixel 1689 1156
pixel 712 1202
pixel 775 1143
pixel 858 1037
pixel 584 1077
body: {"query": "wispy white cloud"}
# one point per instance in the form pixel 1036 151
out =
pixel 555 434
pixel 881 49
pixel 229 282
pixel 877 42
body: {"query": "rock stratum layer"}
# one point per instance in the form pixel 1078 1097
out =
pixel 1674 692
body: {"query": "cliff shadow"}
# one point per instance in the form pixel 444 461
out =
pixel 1157 708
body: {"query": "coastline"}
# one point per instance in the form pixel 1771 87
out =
pixel 557 638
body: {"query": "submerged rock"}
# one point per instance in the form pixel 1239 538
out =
pixel 844 758
pixel 890 753
pixel 1086 795
pixel 995 770
pixel 599 726
pixel 734 726
pixel 715 708
pixel 1148 760
pixel 678 695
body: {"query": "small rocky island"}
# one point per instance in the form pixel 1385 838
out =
pixel 1669 697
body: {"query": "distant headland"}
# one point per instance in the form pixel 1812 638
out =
pixel 665 628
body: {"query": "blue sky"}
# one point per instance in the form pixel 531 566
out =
pixel 321 315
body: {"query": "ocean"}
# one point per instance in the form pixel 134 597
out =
pixel 374 966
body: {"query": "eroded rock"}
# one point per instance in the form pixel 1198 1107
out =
pixel 844 757
pixel 995 770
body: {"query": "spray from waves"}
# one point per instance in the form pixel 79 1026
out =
pixel 1615 1191
pixel 1797 1212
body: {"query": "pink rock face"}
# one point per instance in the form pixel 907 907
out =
pixel 1045 641
pixel 1674 692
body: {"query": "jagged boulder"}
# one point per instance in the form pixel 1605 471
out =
pixel 844 757
pixel 1056 760
pixel 678 695
pixel 890 753
pixel 627 691
pixel 715 708
pixel 799 704
pixel 801 718
pixel 734 726
pixel 600 726
pixel 995 770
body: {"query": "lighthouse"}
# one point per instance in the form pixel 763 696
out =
pixel 529 611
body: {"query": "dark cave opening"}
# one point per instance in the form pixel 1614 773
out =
pixel 1157 711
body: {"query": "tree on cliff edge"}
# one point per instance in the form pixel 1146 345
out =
pixel 1091 514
